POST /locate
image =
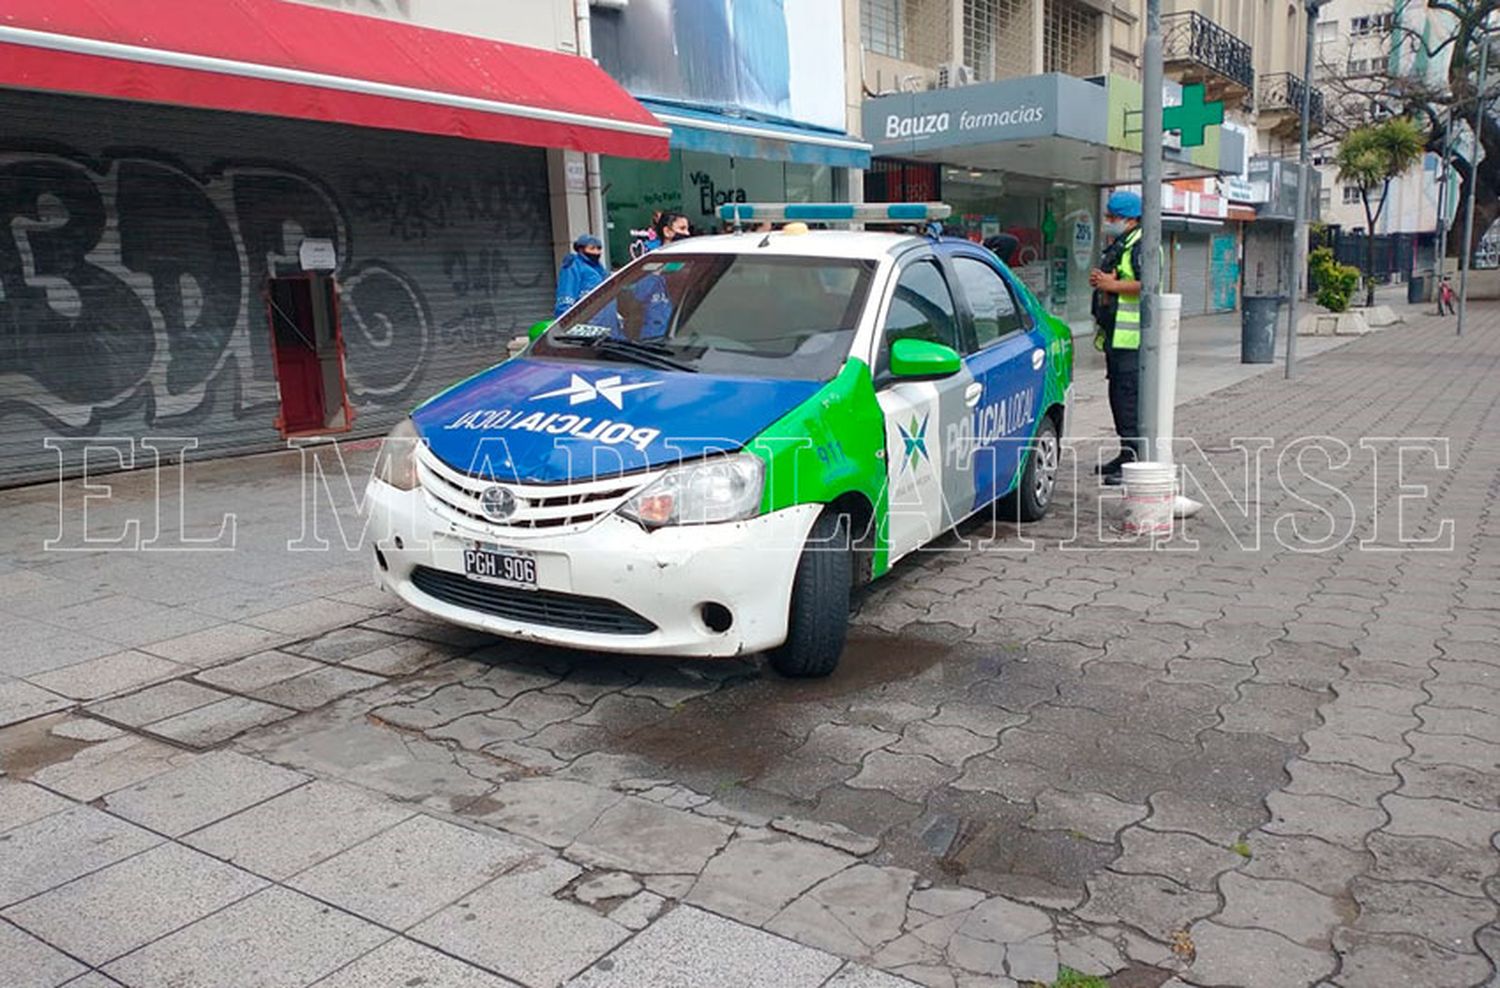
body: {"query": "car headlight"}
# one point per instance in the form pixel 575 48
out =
pixel 724 488
pixel 396 463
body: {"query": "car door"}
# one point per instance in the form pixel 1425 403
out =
pixel 1008 361
pixel 924 497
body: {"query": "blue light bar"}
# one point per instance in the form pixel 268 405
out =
pixel 834 212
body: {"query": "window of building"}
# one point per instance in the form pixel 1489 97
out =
pixel 880 26
pixel 1361 27
pixel 1360 66
pixel 1351 195
pixel 1070 38
pixel 1325 198
pixel 997 38
pixel 1327 31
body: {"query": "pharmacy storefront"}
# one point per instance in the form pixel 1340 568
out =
pixel 1031 157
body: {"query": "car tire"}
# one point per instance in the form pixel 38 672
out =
pixel 1033 495
pixel 818 619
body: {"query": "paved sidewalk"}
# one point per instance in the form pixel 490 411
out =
pixel 1235 763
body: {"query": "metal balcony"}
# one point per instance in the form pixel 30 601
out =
pixel 1282 93
pixel 1196 49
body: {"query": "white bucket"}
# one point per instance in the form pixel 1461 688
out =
pixel 1150 497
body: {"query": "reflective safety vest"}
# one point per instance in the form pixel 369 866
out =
pixel 1127 332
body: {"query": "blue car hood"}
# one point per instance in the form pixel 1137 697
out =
pixel 550 421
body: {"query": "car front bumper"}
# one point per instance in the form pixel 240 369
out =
pixel 610 586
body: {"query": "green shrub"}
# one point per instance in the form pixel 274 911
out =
pixel 1335 283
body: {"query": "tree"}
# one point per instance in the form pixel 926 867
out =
pixel 1431 76
pixel 1369 158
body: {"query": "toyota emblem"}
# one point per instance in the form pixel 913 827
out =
pixel 498 503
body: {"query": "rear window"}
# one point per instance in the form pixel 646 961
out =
pixel 733 314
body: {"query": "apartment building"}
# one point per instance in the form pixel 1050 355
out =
pixel 1022 113
pixel 1358 56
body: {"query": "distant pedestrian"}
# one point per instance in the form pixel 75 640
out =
pixel 1003 246
pixel 581 272
pixel 1445 296
pixel 666 228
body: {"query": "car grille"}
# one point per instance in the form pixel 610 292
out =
pixel 538 506
pixel 545 607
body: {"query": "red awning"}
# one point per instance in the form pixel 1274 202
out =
pixel 292 60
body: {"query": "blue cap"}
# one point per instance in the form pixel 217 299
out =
pixel 1124 204
pixel 587 240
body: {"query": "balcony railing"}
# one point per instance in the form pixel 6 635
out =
pixel 1191 37
pixel 1283 91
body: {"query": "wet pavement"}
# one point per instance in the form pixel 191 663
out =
pixel 1262 754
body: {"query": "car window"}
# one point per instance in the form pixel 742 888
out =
pixel 741 314
pixel 921 309
pixel 996 313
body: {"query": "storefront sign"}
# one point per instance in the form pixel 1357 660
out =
pixel 1009 110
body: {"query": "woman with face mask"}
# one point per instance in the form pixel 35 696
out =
pixel 1117 314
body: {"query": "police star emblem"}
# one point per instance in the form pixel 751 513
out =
pixel 914 436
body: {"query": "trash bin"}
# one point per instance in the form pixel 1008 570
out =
pixel 1416 289
pixel 1258 319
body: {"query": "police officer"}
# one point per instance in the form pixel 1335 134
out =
pixel 1117 314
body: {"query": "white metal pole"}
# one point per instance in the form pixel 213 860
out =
pixel 1466 257
pixel 1304 183
pixel 1445 198
pixel 1152 370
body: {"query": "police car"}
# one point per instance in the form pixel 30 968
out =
pixel 704 455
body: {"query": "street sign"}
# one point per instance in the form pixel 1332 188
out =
pixel 1193 116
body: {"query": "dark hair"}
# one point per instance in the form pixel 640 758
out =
pixel 1003 245
pixel 663 221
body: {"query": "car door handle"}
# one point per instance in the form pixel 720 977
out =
pixel 973 393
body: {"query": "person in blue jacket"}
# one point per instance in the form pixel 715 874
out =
pixel 581 273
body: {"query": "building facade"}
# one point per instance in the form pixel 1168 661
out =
pixel 288 249
pixel 755 94
pixel 1021 114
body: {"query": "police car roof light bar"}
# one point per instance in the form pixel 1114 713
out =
pixel 740 213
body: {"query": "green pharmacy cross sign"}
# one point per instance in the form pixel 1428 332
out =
pixel 1193 116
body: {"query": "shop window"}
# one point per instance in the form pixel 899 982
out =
pixel 996 314
pixel 880 27
pixel 921 309
pixel 309 355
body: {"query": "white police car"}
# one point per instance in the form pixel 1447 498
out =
pixel 706 453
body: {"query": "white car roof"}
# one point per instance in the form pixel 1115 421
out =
pixel 862 244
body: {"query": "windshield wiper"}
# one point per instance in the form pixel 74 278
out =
pixel 640 351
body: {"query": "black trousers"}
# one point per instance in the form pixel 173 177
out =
pixel 1124 370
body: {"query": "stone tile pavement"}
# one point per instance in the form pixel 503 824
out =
pixel 1263 754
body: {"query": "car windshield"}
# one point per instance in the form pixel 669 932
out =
pixel 731 314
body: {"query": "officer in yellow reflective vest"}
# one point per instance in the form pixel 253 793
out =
pixel 1117 314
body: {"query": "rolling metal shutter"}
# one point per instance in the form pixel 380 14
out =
pixel 1190 272
pixel 135 244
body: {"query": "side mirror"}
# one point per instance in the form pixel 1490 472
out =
pixel 923 359
pixel 538 328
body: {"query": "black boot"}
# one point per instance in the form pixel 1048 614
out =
pixel 1114 466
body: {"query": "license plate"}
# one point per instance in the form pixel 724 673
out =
pixel 492 565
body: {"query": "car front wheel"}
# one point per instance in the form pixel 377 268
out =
pixel 818 622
